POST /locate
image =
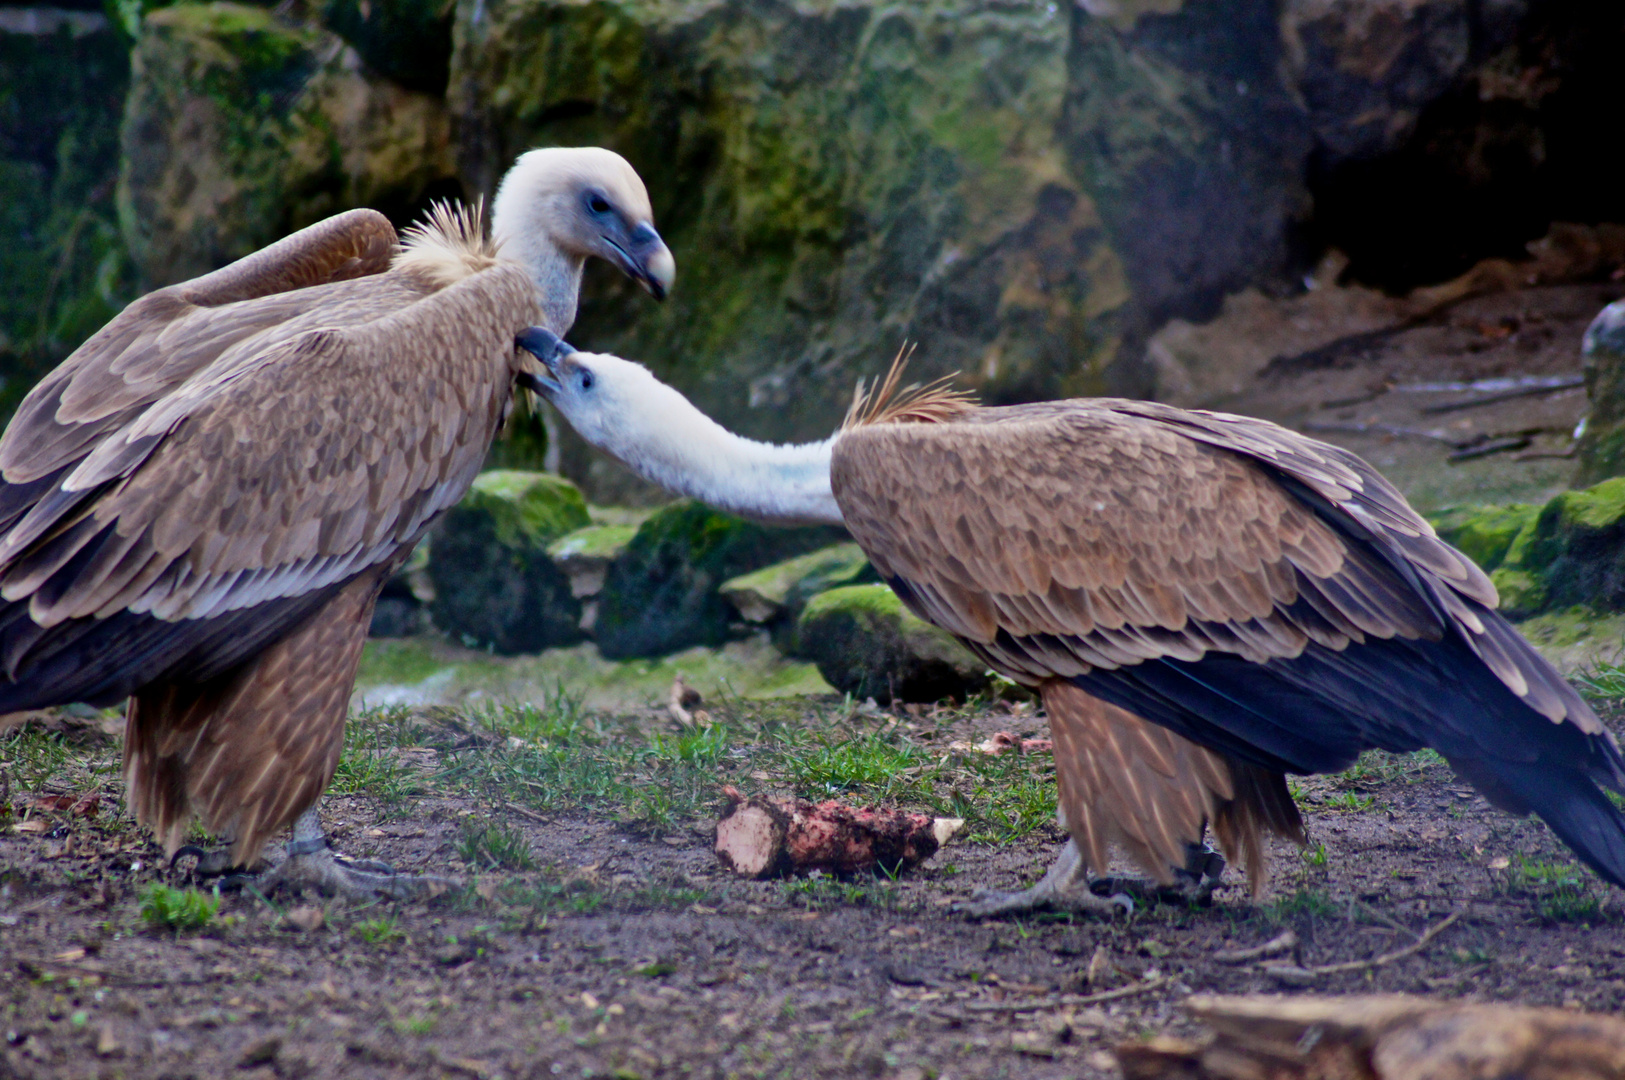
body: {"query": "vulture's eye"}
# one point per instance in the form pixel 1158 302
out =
pixel 586 380
pixel 597 203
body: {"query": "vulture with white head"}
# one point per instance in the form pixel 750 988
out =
pixel 1205 602
pixel 199 506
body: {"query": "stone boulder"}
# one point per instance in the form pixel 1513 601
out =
pixel 584 556
pixel 1602 442
pixel 867 644
pixel 774 596
pixel 241 127
pixel 495 585
pixel 660 594
pixel 1569 551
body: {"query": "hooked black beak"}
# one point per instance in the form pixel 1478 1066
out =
pixel 549 348
pixel 644 258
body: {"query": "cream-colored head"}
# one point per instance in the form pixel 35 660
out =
pixel 577 202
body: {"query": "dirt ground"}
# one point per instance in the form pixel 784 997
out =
pixel 613 945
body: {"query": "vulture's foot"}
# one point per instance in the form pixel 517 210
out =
pixel 1193 883
pixel 1064 888
pixel 311 866
pixel 359 880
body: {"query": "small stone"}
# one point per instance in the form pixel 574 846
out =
pixel 306 917
pixel 107 1044
pixel 260 1052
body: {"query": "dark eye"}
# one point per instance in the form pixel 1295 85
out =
pixel 586 380
pixel 597 203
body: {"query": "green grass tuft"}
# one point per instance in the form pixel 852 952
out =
pixel 167 908
pixel 494 845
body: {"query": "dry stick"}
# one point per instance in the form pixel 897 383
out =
pixel 1397 954
pixel 1066 999
pixel 533 815
pixel 1504 395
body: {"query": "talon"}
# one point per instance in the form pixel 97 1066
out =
pixel 184 850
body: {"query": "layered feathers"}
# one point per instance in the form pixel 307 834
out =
pixel 200 505
pixel 1260 594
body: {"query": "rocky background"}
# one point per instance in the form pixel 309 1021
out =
pixel 1049 198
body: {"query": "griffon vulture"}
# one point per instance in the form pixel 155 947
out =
pixel 199 507
pixel 1270 603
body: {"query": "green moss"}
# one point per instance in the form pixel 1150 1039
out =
pixel 786 586
pixel 1485 534
pixel 593 542
pixel 1599 507
pixel 874 601
pixel 494 582
pixel 529 508
pixel 1522 592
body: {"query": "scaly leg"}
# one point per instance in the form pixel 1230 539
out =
pixel 310 865
pixel 1064 888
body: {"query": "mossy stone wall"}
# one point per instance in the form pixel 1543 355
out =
pixel 241 127
pixel 62 266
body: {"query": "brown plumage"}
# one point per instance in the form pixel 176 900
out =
pixel 203 501
pixel 1271 601
pixel 199 507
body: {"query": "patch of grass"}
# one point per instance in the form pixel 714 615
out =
pixel 379 930
pixel 1562 892
pixel 371 764
pixel 1350 802
pixel 168 908
pixel 1314 855
pixel 863 763
pixel 1379 767
pixel 494 845
pixel 1303 904
pixel 819 891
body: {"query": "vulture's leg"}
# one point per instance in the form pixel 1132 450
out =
pixel 251 750
pixel 310 865
pixel 1123 780
pixel 1064 888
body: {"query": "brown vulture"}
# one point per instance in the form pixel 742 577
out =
pixel 1269 603
pixel 199 506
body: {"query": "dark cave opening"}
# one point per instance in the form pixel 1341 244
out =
pixel 1529 138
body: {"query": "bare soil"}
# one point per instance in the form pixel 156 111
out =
pixel 628 952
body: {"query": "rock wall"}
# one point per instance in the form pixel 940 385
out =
pixel 241 127
pixel 63 79
pixel 1027 192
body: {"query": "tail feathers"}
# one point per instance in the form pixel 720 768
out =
pixel 1579 811
pixel 1261 804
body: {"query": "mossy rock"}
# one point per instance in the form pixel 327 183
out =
pixel 1602 352
pixel 660 594
pixel 775 595
pixel 1485 533
pixel 241 127
pixel 867 644
pixel 495 585
pixel 585 555
pixel 63 262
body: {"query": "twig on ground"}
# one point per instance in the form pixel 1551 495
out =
pixel 1057 1001
pixel 1283 942
pixel 1291 973
pixel 525 813
pixel 1504 395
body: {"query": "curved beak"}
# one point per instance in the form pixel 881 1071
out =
pixel 549 348
pixel 645 258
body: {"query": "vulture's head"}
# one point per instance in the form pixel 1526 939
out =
pixel 584 201
pixel 616 405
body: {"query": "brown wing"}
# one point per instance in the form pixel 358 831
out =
pixel 165 337
pixel 1095 542
pixel 261 486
